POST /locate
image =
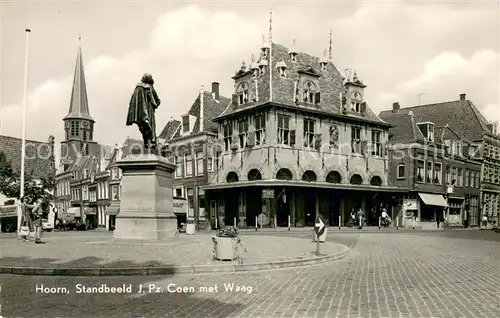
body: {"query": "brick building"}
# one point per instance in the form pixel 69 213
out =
pixel 476 138
pixel 186 142
pixel 297 140
pixel 434 164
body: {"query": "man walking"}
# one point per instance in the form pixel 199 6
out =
pixel 25 220
pixel 37 221
pixel 360 218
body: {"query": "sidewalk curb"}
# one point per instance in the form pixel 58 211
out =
pixel 171 269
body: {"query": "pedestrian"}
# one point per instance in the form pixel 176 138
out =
pixel 26 225
pixel 484 221
pixel 360 218
pixel 385 217
pixel 353 218
pixel 37 214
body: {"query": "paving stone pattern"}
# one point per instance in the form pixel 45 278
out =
pixel 100 250
pixel 386 275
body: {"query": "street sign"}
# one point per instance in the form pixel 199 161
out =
pixel 267 194
pixel 262 219
pixel 319 227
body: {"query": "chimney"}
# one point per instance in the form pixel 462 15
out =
pixel 462 96
pixel 395 107
pixel 215 90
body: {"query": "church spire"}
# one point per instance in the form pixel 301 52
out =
pixel 79 107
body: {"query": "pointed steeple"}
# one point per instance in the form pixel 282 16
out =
pixel 79 107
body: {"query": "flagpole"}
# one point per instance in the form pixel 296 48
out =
pixel 23 146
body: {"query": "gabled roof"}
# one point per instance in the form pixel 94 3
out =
pixel 330 86
pixel 79 106
pixel 41 165
pixel 211 109
pixel 404 129
pixel 168 131
pixel 460 115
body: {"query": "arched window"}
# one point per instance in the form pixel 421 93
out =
pixel 309 176
pixel 333 177
pixel 284 174
pixel 309 92
pixel 376 181
pixel 232 177
pixel 254 174
pixel 356 179
pixel 242 93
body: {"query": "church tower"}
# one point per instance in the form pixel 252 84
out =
pixel 78 124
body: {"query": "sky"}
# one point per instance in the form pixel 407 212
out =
pixel 403 52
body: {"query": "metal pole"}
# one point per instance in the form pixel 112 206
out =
pixel 413 222
pixel 256 224
pixel 340 219
pixel 288 222
pixel 23 146
pixel 360 224
pixel 234 222
pixel 397 222
pixel 379 222
pixel 275 221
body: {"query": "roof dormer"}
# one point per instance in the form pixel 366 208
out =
pixel 427 129
pixel 264 50
pixel 254 67
pixel 187 124
pixel 324 61
pixel 281 66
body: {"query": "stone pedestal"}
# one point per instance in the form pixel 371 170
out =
pixel 146 206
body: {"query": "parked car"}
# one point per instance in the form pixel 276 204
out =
pixel 47 226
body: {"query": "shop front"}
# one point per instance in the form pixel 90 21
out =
pixel 293 203
pixel 431 210
pixel 90 217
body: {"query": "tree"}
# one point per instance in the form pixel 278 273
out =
pixel 10 185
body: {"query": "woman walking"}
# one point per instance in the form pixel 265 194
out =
pixel 26 223
pixel 37 221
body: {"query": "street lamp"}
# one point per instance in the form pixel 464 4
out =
pixel 23 146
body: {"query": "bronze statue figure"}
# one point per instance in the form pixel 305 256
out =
pixel 141 111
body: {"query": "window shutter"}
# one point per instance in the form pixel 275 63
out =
pixel 362 108
pixel 292 137
pixel 251 139
pixel 317 140
pixel 234 142
pixel 317 97
pixel 235 99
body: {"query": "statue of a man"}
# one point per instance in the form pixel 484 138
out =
pixel 142 108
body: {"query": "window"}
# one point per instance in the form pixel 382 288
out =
pixel 460 178
pixel 283 129
pixel 356 139
pixel 178 169
pixel 210 164
pixel 376 143
pixel 199 163
pixel 427 130
pixel 467 178
pixel 309 132
pixel 260 129
pixel 472 179
pixel 419 171
pixel 454 176
pixel 84 135
pixel 401 171
pixel 309 93
pixel 185 124
pixel 188 164
pixel 430 134
pixel 178 193
pixel 448 175
pixel 73 128
pixel 243 132
pixel 242 93
pixel 227 132
pixel 437 172
pixel 428 176
pixel 478 175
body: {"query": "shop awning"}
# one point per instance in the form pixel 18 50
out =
pixel 90 211
pixel 304 184
pixel 433 199
pixel 75 210
pixel 113 209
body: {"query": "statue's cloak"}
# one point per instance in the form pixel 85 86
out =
pixel 142 108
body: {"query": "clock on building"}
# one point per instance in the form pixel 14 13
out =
pixel 85 123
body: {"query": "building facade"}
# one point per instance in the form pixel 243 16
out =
pixel 297 140
pixel 470 136
pixel 186 143
pixel 434 164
